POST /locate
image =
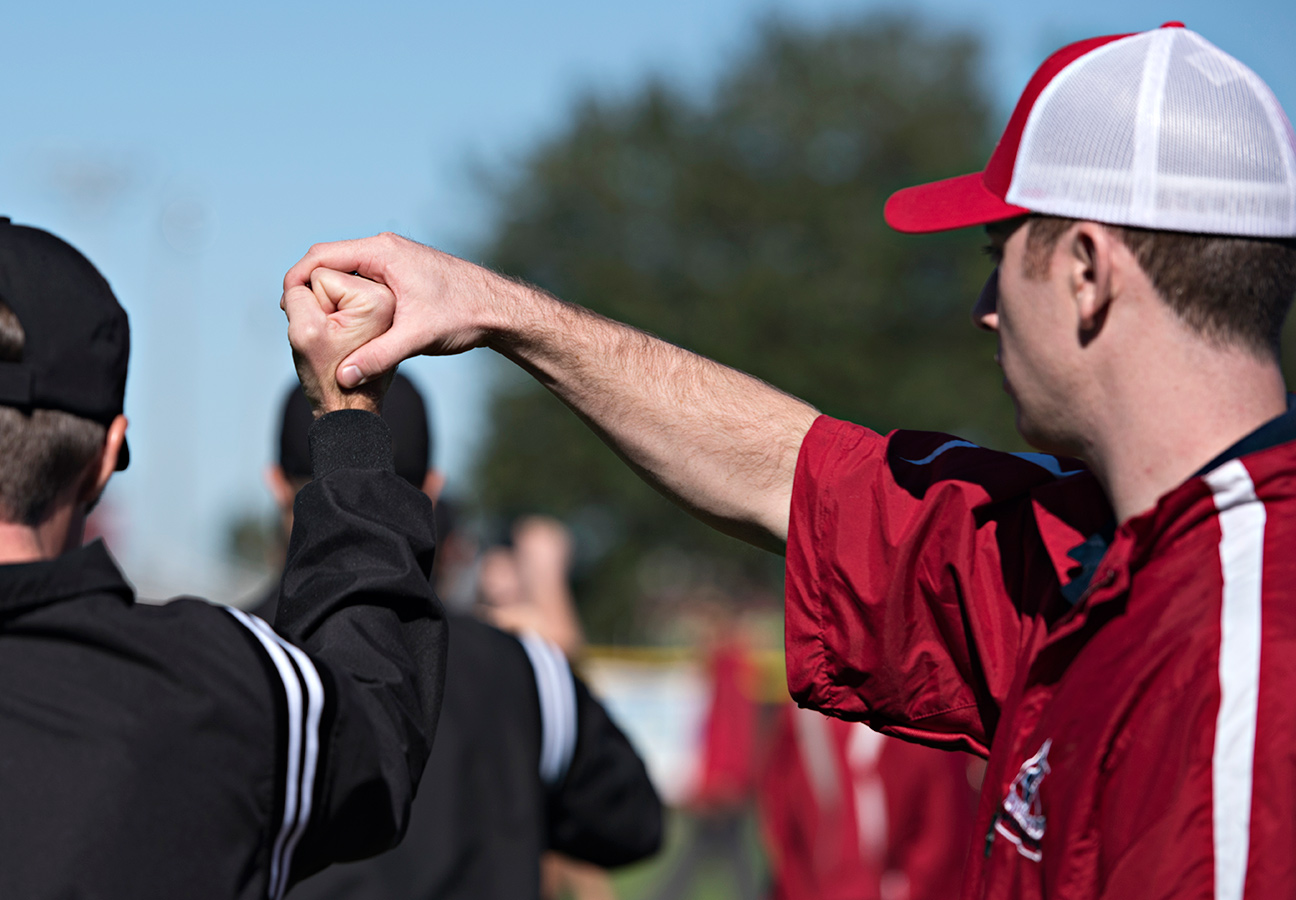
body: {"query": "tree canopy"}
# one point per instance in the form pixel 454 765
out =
pixel 747 225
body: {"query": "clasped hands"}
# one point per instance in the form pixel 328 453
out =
pixel 329 317
pixel 349 331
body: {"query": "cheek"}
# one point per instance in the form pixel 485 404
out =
pixel 1028 316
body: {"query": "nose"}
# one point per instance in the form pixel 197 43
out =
pixel 985 313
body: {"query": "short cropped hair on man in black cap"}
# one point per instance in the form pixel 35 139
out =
pixel 525 760
pixel 46 451
pixel 62 432
pixel 190 750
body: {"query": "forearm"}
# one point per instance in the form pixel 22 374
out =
pixel 720 443
pixel 356 596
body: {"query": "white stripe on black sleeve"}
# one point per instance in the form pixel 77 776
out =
pixel 557 690
pixel 1242 527
pixel 295 671
pixel 310 744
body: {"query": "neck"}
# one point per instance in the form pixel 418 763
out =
pixel 1175 413
pixel 59 532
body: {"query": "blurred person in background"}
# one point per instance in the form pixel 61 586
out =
pixel 188 750
pixel 524 587
pixel 720 804
pixel 848 814
pixel 525 758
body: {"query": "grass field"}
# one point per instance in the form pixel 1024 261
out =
pixel 714 881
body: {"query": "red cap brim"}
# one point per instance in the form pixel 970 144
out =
pixel 943 205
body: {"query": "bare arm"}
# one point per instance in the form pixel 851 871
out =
pixel 718 442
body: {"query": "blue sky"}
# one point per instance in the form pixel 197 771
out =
pixel 193 153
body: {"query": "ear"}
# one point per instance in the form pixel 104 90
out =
pixel 1091 277
pixel 281 487
pixel 433 482
pixel 102 467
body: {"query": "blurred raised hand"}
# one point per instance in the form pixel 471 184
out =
pixel 542 548
pixel 527 588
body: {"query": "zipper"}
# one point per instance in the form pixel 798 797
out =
pixel 990 833
pixel 1104 582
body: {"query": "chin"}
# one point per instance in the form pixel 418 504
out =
pixel 1045 434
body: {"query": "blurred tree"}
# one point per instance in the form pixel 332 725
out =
pixel 748 227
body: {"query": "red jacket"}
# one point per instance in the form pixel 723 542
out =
pixel 1142 742
pixel 851 815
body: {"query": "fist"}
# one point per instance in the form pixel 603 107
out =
pixel 543 548
pixel 328 318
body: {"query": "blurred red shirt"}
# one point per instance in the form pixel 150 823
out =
pixel 727 773
pixel 851 815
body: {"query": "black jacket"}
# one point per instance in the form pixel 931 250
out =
pixel 485 811
pixel 186 750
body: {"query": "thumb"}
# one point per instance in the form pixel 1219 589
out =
pixel 372 359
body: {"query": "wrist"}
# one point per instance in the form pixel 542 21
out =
pixel 327 396
pixel 368 397
pixel 358 398
pixel 520 314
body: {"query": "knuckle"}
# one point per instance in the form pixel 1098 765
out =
pixel 304 334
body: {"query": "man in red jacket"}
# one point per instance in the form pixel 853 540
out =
pixel 720 801
pixel 1114 633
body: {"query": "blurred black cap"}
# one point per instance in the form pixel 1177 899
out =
pixel 77 335
pixel 404 412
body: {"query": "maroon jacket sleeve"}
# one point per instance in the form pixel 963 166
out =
pixel 916 575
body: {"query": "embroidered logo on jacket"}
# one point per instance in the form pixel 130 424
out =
pixel 1023 817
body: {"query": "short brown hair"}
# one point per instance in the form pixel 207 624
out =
pixel 1233 290
pixel 43 452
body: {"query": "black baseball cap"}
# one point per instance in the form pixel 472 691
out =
pixel 404 412
pixel 77 337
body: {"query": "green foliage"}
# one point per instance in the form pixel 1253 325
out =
pixel 748 227
pixel 253 540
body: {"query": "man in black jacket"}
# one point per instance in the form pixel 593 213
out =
pixel 525 758
pixel 189 750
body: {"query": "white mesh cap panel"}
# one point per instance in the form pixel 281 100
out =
pixel 1077 151
pixel 1160 130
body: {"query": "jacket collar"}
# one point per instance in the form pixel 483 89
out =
pixel 85 570
pixel 1276 431
pixel 1079 548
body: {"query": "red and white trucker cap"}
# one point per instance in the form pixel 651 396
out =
pixel 1156 130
